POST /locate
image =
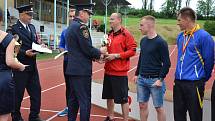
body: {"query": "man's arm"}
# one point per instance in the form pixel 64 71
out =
pixel 208 55
pixel 85 46
pixel 130 47
pixel 164 52
pixel 62 43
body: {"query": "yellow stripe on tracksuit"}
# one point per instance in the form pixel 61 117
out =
pixel 199 97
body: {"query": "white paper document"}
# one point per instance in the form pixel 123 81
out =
pixel 60 54
pixel 39 48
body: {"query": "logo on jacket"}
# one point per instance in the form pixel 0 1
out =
pixel 85 33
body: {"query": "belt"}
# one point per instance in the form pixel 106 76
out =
pixel 150 76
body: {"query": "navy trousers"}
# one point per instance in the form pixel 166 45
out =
pixel 30 81
pixel 66 77
pixel 188 96
pixel 80 89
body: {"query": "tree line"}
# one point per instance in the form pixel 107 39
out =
pixel 205 9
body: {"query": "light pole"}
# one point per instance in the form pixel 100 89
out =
pixel 5 15
pixel 55 24
pixel 67 23
pixel 106 3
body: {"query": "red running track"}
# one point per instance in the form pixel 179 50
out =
pixel 53 88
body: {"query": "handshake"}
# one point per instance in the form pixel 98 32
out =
pixel 105 56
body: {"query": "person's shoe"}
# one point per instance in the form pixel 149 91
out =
pixel 108 119
pixel 36 119
pixel 63 113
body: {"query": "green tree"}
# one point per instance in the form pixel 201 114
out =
pixel 179 4
pixel 144 5
pixel 188 2
pixel 169 8
pixel 151 5
pixel 206 7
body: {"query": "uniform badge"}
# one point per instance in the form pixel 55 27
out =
pixel 85 31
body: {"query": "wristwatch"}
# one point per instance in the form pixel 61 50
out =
pixel 117 56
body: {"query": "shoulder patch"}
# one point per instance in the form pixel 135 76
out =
pixel 84 30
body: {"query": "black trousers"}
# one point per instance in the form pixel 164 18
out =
pixel 66 77
pixel 188 96
pixel 213 102
pixel 80 89
pixel 30 81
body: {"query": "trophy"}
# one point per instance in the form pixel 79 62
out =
pixel 105 40
pixel 17 46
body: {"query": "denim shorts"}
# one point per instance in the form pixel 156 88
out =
pixel 145 89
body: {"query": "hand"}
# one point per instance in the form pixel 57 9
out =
pixel 61 49
pixel 100 61
pixel 23 67
pixel 158 83
pixel 135 79
pixel 103 50
pixel 44 45
pixel 110 57
pixel 30 53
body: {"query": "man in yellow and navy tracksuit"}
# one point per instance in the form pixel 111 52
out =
pixel 194 66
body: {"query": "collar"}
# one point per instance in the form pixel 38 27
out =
pixel 121 30
pixel 23 23
pixel 194 29
pixel 79 20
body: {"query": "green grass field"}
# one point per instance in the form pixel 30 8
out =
pixel 43 56
pixel 167 28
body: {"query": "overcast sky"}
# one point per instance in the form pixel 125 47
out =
pixel 158 3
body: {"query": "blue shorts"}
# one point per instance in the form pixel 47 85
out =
pixel 145 88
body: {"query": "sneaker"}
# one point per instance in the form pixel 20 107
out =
pixel 108 119
pixel 63 113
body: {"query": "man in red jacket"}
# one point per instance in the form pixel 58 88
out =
pixel 121 46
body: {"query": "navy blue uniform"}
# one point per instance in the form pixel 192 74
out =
pixel 79 68
pixel 28 78
pixel 6 81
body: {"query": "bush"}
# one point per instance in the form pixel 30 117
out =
pixel 101 28
pixel 209 26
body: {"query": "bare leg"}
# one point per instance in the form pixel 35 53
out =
pixel 144 112
pixel 110 108
pixel 4 117
pixel 125 111
pixel 161 116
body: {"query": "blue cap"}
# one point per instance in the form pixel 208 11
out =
pixel 25 8
pixel 85 7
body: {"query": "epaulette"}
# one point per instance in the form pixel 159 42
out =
pixel 83 26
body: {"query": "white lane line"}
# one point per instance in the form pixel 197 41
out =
pixel 50 67
pixel 43 110
pixel 58 85
pixel 91 115
pixel 54 111
pixel 49 119
pixel 172 51
pixel 132 69
pixel 98 70
pixel 47 89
